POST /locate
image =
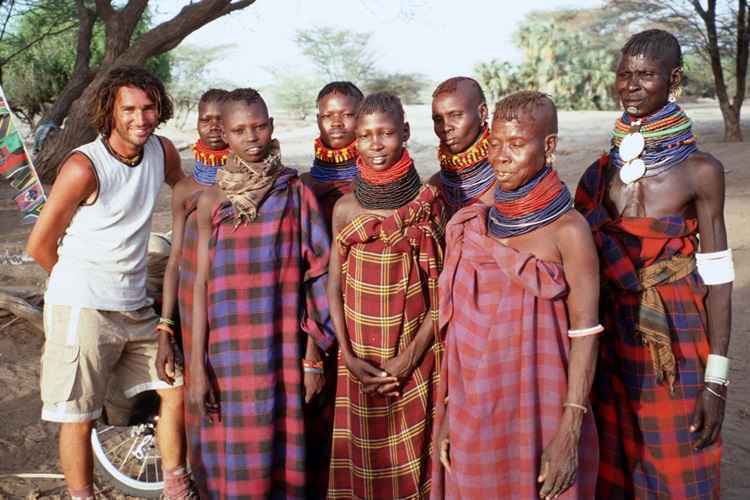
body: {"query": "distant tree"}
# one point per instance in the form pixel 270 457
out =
pixel 338 54
pixel 408 86
pixel 121 46
pixel 498 78
pixel 191 75
pixel 295 93
pixel 553 62
pixel 717 31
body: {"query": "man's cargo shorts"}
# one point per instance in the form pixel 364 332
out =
pixel 89 353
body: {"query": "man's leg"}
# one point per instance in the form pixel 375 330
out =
pixel 171 427
pixel 76 458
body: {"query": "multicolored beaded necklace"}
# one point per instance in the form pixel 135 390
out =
pixel 466 176
pixel 539 202
pixel 332 165
pixel 207 161
pixel 390 189
pixel 651 145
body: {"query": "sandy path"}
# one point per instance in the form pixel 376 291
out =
pixel 29 445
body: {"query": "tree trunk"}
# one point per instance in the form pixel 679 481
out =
pixel 119 26
pixel 732 125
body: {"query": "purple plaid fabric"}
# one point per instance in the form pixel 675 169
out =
pixel 266 291
pixel 505 366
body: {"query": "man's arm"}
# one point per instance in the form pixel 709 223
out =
pixel 75 183
pixel 172 163
pixel 708 182
pixel 581 266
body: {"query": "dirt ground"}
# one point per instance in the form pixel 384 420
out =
pixel 28 445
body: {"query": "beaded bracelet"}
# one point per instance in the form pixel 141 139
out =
pixel 166 321
pixel 307 363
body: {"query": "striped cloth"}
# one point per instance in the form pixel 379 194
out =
pixel 646 446
pixel 505 367
pixel 382 446
pixel 266 292
pixel 188 262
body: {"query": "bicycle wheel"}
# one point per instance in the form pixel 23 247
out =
pixel 129 458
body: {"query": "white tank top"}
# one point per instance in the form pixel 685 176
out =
pixel 102 255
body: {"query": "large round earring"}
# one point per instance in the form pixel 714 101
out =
pixel 675 93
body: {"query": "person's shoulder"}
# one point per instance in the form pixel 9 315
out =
pixel 572 226
pixel 78 166
pixel 435 180
pixel 208 199
pixel 702 163
pixel 344 211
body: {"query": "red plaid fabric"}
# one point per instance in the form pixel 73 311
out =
pixel 382 446
pixel 265 291
pixel 505 366
pixel 319 413
pixel 645 442
pixel 328 193
pixel 188 256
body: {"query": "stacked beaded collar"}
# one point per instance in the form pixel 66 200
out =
pixel 466 176
pixel 391 189
pixel 334 164
pixel 539 202
pixel 207 161
pixel 651 145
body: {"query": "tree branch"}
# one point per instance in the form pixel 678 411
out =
pixel 38 39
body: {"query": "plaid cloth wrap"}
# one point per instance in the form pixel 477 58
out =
pixel 319 413
pixel 382 446
pixel 645 442
pixel 188 262
pixel 328 193
pixel 506 363
pixel 266 292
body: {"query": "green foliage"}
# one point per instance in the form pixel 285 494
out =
pixel 408 86
pixel 190 75
pixel 40 48
pixel 295 93
pixel 337 54
pixel 555 63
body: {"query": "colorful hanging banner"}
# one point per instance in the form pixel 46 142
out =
pixel 16 166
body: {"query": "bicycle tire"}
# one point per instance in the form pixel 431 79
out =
pixel 137 474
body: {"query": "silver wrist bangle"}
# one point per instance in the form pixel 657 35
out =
pixel 308 369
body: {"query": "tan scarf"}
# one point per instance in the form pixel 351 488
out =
pixel 652 322
pixel 246 184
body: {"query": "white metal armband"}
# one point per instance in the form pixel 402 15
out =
pixel 715 268
pixel 717 369
pixel 584 332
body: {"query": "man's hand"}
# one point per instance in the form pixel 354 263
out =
pixel 559 462
pixel 314 383
pixel 367 374
pixel 201 397
pixel 165 358
pixel 443 444
pixel 708 416
pixel 399 367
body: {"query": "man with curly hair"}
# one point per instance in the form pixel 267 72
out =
pixel 92 238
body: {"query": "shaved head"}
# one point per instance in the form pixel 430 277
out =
pixel 463 84
pixel 528 105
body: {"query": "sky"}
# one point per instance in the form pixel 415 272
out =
pixel 438 38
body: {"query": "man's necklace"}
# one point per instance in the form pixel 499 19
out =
pixel 131 161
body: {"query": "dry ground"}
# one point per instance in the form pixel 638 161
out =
pixel 29 445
